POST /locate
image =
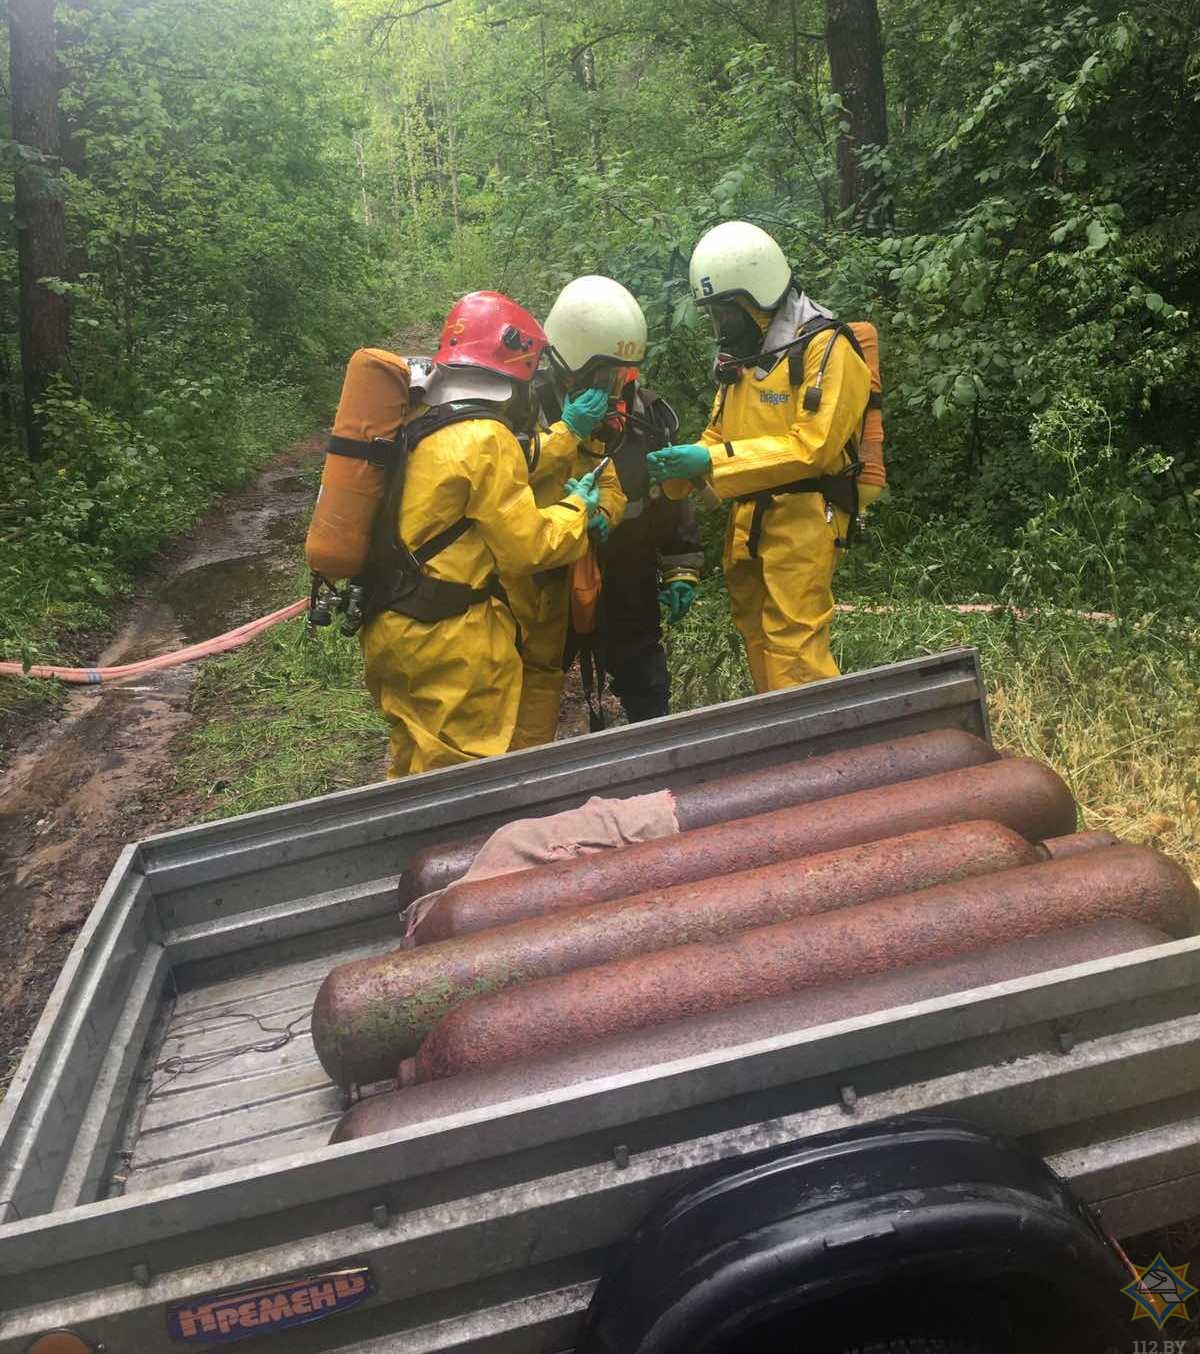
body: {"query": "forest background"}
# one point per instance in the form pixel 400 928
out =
pixel 230 197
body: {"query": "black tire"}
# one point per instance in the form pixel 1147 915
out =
pixel 917 1345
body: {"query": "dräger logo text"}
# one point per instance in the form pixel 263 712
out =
pixel 265 1309
pixel 773 396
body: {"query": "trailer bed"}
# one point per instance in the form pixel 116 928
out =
pixel 234 1079
pixel 165 1134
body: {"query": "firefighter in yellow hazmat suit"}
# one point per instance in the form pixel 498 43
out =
pixel 792 395
pixel 597 332
pixel 440 655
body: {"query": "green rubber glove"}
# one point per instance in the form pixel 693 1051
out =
pixel 587 489
pixel 678 597
pixel 598 526
pixel 678 463
pixel 583 413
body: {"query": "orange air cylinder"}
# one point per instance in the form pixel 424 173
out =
pixel 374 403
pixel 870 448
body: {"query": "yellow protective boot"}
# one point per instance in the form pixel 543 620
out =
pixel 782 600
pixel 541 605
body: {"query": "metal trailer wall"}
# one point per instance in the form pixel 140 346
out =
pixel 485 1231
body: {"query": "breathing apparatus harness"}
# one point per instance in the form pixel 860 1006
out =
pixel 395 577
pixel 840 490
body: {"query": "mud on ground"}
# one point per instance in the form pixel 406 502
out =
pixel 100 774
pixel 78 788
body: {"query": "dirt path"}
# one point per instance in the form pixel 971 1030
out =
pixel 79 788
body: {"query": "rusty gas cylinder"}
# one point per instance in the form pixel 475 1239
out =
pixel 724 798
pixel 739 1025
pixel 1018 792
pixel 372 1012
pixel 553 1014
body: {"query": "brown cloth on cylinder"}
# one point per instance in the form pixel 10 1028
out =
pixel 599 825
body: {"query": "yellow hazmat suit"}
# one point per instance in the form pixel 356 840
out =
pixel 450 688
pixel 781 581
pixel 542 603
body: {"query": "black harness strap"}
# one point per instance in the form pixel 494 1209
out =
pixel 443 540
pixel 396 577
pixel 380 451
pixel 841 489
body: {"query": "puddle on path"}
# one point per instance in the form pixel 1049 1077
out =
pixel 213 598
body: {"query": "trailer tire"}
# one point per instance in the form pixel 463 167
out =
pixel 918 1345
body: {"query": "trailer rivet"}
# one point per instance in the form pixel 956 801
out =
pixel 621 1157
pixel 380 1213
pixel 141 1274
pixel 1065 1040
pixel 849 1099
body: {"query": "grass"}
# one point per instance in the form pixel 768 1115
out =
pixel 1115 710
pixel 283 719
pixel 43 631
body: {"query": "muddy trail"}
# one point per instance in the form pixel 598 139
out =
pixel 100 774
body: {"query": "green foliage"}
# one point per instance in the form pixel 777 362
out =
pixel 254 190
pixel 221 273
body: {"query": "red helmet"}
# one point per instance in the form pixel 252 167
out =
pixel 488 330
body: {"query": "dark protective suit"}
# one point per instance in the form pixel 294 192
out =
pixel 657 541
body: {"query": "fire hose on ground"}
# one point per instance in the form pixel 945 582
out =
pixel 234 639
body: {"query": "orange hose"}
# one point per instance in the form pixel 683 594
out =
pixel 233 639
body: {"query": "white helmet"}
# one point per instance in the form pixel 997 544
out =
pixel 595 321
pixel 738 259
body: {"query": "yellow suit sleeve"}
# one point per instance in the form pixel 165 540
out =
pixel 710 437
pixel 522 537
pixel 562 455
pixel 556 455
pixel 612 497
pixel 814 443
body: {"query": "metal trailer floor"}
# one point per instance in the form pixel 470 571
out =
pixel 235 1080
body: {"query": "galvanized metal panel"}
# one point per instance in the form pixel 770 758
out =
pixel 52 1089
pixel 206 1213
pixel 544 1221
pixel 106 1109
pixel 543 1324
pixel 274 925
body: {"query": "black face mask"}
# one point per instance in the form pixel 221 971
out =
pixel 738 334
pixel 519 408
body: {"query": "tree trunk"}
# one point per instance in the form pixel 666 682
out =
pixel 410 158
pixel 585 73
pixel 40 220
pixel 360 155
pixel 856 72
